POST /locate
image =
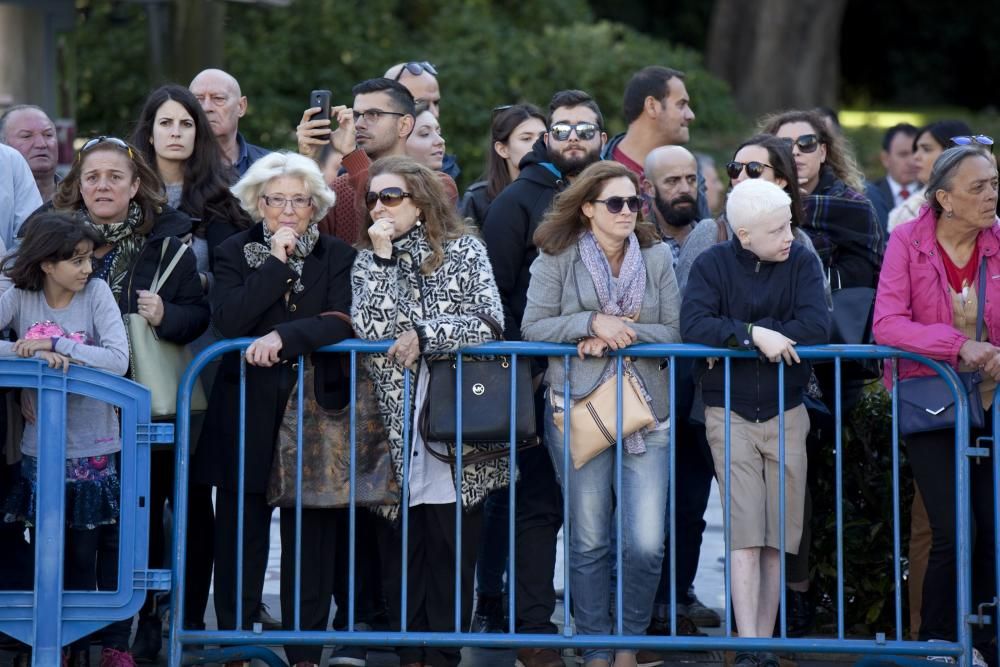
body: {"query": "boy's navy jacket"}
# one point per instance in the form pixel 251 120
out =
pixel 729 288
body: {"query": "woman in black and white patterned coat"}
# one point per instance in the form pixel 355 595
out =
pixel 423 281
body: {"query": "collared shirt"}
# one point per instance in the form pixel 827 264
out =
pixel 248 154
pixel 896 188
pixel 674 244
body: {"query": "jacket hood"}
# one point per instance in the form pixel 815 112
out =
pixel 536 167
pixel 170 222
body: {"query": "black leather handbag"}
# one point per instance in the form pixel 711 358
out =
pixel 486 413
pixel 927 403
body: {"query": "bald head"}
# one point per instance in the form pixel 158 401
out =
pixel 666 157
pixel 423 86
pixel 219 94
pixel 671 179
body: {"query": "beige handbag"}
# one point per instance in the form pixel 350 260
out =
pixel 593 418
pixel 159 364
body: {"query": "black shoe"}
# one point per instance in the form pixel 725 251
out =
pixel 685 627
pixel 702 616
pixel 745 660
pixel 489 616
pixel 768 659
pixel 267 622
pixel 800 614
pixel 148 639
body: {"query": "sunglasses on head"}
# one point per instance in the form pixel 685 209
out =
pixel 416 69
pixel 807 143
pixel 388 196
pixel 500 109
pixel 754 169
pixel 973 139
pixel 584 131
pixel 616 204
pixel 114 141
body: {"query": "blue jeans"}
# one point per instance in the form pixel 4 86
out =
pixel 592 496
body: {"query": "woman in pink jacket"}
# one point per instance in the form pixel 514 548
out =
pixel 927 303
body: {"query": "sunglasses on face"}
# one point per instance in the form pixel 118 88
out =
pixel 389 197
pixel 114 141
pixel 416 69
pixel 754 169
pixel 278 201
pixel 973 139
pixel 372 116
pixel 616 204
pixel 584 131
pixel 807 143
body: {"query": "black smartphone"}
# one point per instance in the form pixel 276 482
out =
pixel 321 99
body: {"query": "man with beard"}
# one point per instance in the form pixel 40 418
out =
pixel 671 184
pixel 573 141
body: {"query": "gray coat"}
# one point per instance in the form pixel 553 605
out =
pixel 562 298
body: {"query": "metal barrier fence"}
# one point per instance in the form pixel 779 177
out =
pixel 48 617
pixel 241 642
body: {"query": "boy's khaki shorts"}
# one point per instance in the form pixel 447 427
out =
pixel 754 476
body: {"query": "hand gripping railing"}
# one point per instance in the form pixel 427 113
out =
pixel 240 640
pixel 48 617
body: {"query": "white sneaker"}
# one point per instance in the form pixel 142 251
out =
pixel 977 658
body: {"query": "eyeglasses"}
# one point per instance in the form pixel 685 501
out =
pixel 754 169
pixel 416 69
pixel 277 201
pixel 615 204
pixel 114 141
pixel 968 140
pixel 372 115
pixel 584 131
pixel 807 143
pixel 390 197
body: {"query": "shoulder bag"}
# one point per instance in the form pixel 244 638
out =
pixel 159 364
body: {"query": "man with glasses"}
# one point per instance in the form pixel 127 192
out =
pixel 224 103
pixel 658 112
pixel 573 141
pixel 420 78
pixel 376 126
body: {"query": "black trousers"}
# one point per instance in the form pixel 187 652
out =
pixel 538 517
pixel 91 563
pixel 17 557
pixel 200 531
pixel 932 458
pixel 430 577
pixel 320 556
pixel 369 603
pixel 256 541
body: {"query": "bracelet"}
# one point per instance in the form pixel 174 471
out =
pixel 750 329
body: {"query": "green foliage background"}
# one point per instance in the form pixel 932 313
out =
pixel 488 53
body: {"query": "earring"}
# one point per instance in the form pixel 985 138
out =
pixel 419 222
pixel 949 214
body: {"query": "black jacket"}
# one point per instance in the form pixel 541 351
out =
pixel 475 203
pixel 251 302
pixel 728 288
pixel 508 229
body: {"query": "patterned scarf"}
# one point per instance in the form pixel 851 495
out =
pixel 256 253
pixel 625 301
pixel 126 244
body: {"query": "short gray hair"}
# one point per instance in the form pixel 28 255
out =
pixel 276 165
pixel 753 199
pixel 14 109
pixel 943 172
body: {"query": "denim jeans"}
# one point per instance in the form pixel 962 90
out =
pixel 592 496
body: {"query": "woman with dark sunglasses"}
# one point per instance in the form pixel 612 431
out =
pixel 604 280
pixel 514 130
pixel 422 279
pixel 761 156
pixel 842 223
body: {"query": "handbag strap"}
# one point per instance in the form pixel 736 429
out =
pixel 980 298
pixel 494 326
pixel 160 279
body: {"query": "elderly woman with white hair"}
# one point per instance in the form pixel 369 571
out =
pixel 280 282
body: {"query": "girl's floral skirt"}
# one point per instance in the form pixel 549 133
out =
pixel 93 492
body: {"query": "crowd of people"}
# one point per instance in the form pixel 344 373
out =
pixel 569 237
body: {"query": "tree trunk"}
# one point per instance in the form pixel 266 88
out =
pixel 198 29
pixel 777 54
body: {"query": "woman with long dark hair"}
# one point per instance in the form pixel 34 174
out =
pixel 514 130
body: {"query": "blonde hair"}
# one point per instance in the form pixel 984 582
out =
pixel 754 199
pixel 275 165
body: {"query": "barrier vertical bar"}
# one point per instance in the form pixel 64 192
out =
pixel 727 514
pixel 296 614
pixel 782 582
pixel 50 517
pixel 182 447
pixel 672 494
pixel 964 525
pixel 351 509
pixel 404 501
pixel 839 491
pixel 239 490
pixel 567 553
pixel 619 454
pixel 511 508
pixel 458 493
pixel 995 461
pixel 897 576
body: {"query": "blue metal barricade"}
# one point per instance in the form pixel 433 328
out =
pixel 48 617
pixel 235 641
